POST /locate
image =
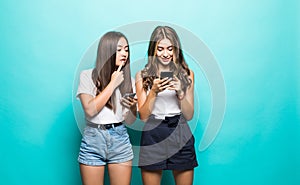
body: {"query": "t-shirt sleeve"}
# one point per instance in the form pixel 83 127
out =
pixel 86 85
pixel 133 85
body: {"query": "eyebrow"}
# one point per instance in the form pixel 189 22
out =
pixel 163 47
pixel 122 46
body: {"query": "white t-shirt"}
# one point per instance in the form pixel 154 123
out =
pixel 166 104
pixel 106 115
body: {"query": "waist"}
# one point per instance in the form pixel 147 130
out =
pixel 168 121
pixel 165 116
pixel 103 126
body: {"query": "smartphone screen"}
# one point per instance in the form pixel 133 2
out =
pixel 131 95
pixel 165 74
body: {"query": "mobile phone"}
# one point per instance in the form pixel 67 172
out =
pixel 131 95
pixel 165 74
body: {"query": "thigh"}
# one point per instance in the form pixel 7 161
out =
pixel 120 173
pixel 92 175
pixel 119 148
pixel 151 177
pixel 92 147
pixel 153 150
pixel 183 177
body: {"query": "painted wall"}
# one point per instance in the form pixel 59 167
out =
pixel 256 46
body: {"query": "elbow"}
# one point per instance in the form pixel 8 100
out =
pixel 143 117
pixel 189 115
pixel 130 120
pixel 90 113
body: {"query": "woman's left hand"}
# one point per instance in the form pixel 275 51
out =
pixel 128 102
pixel 176 85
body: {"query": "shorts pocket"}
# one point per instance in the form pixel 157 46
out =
pixel 89 132
pixel 121 130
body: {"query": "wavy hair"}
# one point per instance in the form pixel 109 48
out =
pixel 178 66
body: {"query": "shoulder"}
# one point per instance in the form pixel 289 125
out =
pixel 86 75
pixel 138 76
pixel 86 72
pixel 191 74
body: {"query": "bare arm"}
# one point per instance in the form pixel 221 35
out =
pixel 93 105
pixel 130 103
pixel 146 102
pixel 187 103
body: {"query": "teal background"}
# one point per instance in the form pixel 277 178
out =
pixel 256 44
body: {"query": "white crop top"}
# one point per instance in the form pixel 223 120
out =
pixel 166 104
pixel 106 115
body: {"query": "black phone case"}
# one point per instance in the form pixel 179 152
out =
pixel 165 74
pixel 131 95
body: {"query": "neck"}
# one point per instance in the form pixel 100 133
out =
pixel 163 68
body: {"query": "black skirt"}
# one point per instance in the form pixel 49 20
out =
pixel 167 145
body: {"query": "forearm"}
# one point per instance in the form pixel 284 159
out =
pixel 187 109
pixel 130 117
pixel 146 109
pixel 95 105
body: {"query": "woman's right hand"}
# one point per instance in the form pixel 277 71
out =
pixel 117 78
pixel 160 85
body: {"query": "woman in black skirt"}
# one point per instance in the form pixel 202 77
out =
pixel 165 92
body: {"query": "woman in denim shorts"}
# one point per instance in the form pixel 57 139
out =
pixel 165 92
pixel 101 91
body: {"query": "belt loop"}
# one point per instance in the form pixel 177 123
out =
pixel 113 125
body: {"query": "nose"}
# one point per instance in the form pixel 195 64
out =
pixel 123 52
pixel 165 54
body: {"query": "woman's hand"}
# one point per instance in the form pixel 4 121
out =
pixel 117 78
pixel 176 85
pixel 160 85
pixel 129 102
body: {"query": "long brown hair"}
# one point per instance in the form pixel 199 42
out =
pixel 106 65
pixel 178 66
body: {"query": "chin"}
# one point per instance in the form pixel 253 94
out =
pixel 120 63
pixel 165 63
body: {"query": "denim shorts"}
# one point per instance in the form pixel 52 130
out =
pixel 167 145
pixel 102 146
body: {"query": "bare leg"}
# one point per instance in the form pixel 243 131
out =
pixel 151 177
pixel 120 173
pixel 92 175
pixel 183 177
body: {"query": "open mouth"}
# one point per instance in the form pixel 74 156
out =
pixel 123 60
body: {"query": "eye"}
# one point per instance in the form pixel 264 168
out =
pixel 170 48
pixel 159 49
pixel 119 49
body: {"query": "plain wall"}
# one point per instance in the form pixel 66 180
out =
pixel 256 45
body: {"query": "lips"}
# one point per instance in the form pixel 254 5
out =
pixel 123 60
pixel 165 59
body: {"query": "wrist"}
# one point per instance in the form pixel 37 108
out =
pixel 133 108
pixel 180 94
pixel 153 92
pixel 131 111
pixel 112 85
